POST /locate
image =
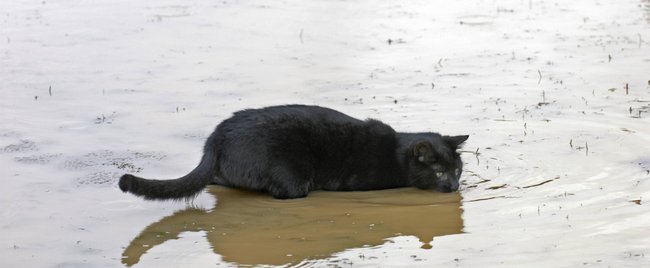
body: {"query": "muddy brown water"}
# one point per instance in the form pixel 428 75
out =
pixel 252 228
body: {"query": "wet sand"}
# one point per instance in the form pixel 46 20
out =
pixel 555 96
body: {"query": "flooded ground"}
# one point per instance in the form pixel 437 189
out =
pixel 555 96
pixel 251 228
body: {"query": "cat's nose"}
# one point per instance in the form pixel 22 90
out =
pixel 453 185
pixel 449 183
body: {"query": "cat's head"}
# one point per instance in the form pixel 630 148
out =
pixel 434 162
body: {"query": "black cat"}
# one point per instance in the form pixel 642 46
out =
pixel 291 150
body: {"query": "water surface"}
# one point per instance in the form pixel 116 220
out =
pixel 252 228
pixel 555 96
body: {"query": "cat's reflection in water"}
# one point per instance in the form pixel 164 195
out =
pixel 252 228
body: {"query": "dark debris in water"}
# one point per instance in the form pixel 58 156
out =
pixel 637 112
pixel 106 166
pixel 124 165
pixel 497 187
pixel 21 146
pixel 541 183
pixel 488 198
pixel 120 160
pixel 99 178
pixel 395 41
pixel 37 159
pixel 103 119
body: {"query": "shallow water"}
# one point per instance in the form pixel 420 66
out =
pixel 252 228
pixel 555 96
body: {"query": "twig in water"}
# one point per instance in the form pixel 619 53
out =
pixel 540 76
pixel 627 89
pixel 300 35
pixel 543 99
pixel 586 148
pixel 539 184
pixel 50 91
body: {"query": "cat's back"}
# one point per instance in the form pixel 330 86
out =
pixel 287 116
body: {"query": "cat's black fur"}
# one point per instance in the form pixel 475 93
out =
pixel 291 150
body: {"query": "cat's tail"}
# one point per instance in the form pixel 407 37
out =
pixel 183 187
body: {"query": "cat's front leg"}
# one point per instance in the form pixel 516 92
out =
pixel 285 183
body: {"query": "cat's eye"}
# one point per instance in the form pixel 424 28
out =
pixel 439 174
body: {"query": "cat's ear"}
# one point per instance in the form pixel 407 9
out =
pixel 423 151
pixel 455 141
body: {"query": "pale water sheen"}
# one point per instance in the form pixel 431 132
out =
pixel 555 96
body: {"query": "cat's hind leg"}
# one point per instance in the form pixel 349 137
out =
pixel 285 183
